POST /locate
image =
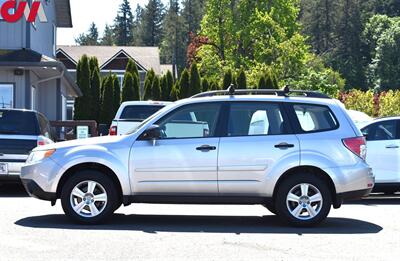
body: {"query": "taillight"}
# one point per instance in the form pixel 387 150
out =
pixel 357 145
pixel 41 141
pixel 113 131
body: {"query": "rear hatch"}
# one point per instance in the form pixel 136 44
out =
pixel 133 115
pixel 19 132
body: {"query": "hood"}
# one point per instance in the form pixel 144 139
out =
pixel 84 142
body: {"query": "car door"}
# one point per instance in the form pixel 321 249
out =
pixel 383 150
pixel 184 159
pixel 257 139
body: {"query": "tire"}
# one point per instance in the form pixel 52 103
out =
pixel 94 196
pixel 271 208
pixel 309 208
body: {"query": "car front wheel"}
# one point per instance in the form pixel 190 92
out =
pixel 89 197
pixel 303 200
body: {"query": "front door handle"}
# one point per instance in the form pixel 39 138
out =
pixel 284 145
pixel 206 148
pixel 393 146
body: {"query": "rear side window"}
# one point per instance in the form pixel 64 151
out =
pixel 256 118
pixel 385 130
pixel 18 123
pixel 44 126
pixel 139 112
pixel 315 118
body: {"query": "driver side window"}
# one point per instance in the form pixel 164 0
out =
pixel 191 121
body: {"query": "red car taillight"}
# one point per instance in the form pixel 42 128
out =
pixel 41 141
pixel 113 131
pixel 357 145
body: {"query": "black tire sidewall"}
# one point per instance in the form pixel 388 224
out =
pixel 288 184
pixel 101 178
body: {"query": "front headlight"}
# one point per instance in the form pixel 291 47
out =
pixel 39 155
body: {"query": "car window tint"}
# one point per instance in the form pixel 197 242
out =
pixel 314 118
pixel 192 121
pixel 18 123
pixel 139 112
pixel 255 118
pixel 385 130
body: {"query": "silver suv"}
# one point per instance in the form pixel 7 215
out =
pixel 297 153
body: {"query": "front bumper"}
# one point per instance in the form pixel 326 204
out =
pixel 34 190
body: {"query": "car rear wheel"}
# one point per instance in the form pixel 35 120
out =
pixel 303 200
pixel 89 197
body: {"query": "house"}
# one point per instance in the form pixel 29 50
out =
pixel 30 75
pixel 113 59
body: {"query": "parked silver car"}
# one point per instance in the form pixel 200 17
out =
pixel 296 155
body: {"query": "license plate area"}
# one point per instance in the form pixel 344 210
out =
pixel 3 169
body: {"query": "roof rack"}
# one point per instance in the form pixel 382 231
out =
pixel 285 92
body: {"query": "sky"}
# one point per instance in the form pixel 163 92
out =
pixel 84 12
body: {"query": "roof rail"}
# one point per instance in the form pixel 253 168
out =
pixel 285 92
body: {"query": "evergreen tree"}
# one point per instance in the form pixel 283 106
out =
pixel 108 36
pixel 184 85
pixel 116 93
pixel 262 83
pixel 82 110
pixel 106 113
pixel 170 83
pixel 95 87
pixel 205 85
pixel 174 96
pixel 136 88
pixel 241 80
pixel 132 68
pixel 228 80
pixel 192 13
pixel 137 26
pixel 148 83
pixel 164 89
pixel 123 25
pixel 151 25
pixel 91 38
pixel 173 46
pixel 127 88
pixel 194 80
pixel 270 80
pixel 93 65
pixel 214 86
pixel 156 89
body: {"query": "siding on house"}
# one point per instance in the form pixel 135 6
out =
pixel 13 36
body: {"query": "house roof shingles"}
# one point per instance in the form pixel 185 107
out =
pixel 147 57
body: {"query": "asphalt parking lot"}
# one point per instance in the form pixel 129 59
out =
pixel 33 230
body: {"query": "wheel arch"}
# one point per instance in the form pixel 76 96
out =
pixel 73 170
pixel 314 171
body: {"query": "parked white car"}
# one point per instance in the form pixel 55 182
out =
pixel 131 114
pixel 383 142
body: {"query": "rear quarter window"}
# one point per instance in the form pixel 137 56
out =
pixel 18 123
pixel 315 118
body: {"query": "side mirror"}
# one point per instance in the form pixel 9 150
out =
pixel 152 133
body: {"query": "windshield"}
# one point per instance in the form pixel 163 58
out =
pixel 166 108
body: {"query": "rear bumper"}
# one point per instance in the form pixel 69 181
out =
pixel 352 195
pixel 34 190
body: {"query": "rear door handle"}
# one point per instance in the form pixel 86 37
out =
pixel 392 146
pixel 284 145
pixel 206 148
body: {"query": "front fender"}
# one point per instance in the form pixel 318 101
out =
pixel 115 159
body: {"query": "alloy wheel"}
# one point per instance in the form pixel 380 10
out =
pixel 304 201
pixel 88 199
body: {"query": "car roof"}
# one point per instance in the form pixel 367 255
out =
pixel 271 98
pixel 149 103
pixel 386 119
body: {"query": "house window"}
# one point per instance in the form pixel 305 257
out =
pixel 11 11
pixel 6 95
